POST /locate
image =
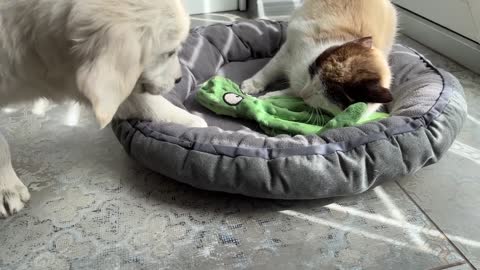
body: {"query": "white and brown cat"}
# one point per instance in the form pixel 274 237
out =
pixel 336 54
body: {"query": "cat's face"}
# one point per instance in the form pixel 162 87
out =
pixel 347 74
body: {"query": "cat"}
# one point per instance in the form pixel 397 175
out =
pixel 336 54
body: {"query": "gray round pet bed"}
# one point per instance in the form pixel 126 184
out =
pixel 234 156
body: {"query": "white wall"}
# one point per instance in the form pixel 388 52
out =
pixel 448 43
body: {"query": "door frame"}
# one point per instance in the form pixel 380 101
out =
pixel 210 6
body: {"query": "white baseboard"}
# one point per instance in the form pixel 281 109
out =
pixel 440 39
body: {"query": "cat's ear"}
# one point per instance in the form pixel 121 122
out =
pixel 369 91
pixel 366 42
pixel 378 94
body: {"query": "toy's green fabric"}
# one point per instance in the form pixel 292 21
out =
pixel 280 114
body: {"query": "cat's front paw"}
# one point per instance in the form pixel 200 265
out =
pixel 286 92
pixel 252 86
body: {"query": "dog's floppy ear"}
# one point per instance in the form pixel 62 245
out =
pixel 110 67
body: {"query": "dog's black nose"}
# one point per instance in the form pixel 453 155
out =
pixel 178 80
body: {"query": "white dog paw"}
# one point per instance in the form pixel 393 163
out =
pixel 195 122
pixel 252 86
pixel 13 196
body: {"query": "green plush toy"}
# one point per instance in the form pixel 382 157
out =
pixel 279 114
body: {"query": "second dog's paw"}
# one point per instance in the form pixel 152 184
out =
pixel 252 86
pixel 195 122
pixel 13 196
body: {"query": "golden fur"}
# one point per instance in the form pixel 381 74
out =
pixel 118 56
pixel 354 64
pixel 336 53
pixel 352 19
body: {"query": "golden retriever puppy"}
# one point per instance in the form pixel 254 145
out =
pixel 119 56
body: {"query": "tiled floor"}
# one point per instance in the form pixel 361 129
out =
pixel 448 197
pixel 94 208
pixel 448 192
